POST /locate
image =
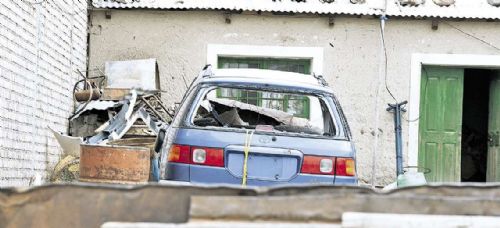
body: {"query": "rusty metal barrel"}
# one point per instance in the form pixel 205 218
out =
pixel 114 164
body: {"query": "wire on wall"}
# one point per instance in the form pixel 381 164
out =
pixel 382 73
pixel 425 70
pixel 382 35
pixel 472 36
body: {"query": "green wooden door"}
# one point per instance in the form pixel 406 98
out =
pixel 493 165
pixel 440 123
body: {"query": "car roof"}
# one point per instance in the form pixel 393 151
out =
pixel 268 77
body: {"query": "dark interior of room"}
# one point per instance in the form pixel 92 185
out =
pixel 475 125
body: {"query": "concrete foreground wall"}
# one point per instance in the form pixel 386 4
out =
pixel 90 205
pixel 352 57
pixel 41 46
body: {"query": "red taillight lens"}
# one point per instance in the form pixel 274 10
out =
pixel 196 155
pixel 180 154
pixel 325 166
pixel 345 167
pixel 208 156
pixel 318 165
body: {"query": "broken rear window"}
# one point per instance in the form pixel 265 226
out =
pixel 264 111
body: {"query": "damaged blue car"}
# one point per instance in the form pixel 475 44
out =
pixel 255 127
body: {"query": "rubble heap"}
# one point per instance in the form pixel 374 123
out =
pixel 127 111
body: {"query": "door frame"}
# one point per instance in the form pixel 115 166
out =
pixel 445 60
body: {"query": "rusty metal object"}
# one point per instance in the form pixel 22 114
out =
pixel 83 95
pixel 114 164
pixel 153 109
pixel 146 142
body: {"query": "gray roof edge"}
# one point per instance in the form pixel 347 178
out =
pixel 478 9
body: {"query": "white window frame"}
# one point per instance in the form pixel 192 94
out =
pixel 446 60
pixel 315 54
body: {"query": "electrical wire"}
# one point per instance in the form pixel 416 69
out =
pixel 472 36
pixel 425 92
pixel 382 34
pixel 377 113
pixel 427 74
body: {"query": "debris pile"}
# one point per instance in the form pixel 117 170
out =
pixel 127 111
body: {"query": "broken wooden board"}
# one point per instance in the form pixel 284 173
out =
pixel 114 94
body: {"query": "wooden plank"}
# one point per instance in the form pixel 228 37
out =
pixel 114 94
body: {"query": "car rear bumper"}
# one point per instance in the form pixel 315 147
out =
pixel 213 175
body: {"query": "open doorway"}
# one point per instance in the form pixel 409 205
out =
pixel 475 112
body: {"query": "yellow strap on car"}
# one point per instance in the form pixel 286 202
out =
pixel 246 149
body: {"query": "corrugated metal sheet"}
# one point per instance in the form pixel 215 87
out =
pixel 477 9
pixel 339 7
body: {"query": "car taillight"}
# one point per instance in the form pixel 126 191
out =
pixel 208 156
pixel 345 167
pixel 317 165
pixel 325 166
pixel 180 154
pixel 196 155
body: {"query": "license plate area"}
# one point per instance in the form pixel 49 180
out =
pixel 279 165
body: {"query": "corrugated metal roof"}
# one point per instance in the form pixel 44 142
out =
pixel 249 5
pixel 478 9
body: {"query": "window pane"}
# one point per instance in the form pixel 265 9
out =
pixel 273 104
pixel 301 69
pixel 296 107
pixel 273 66
pixel 243 65
pixel 226 92
pixel 289 65
pixel 252 101
pixel 278 66
pixel 273 95
pixel 294 68
pixel 253 65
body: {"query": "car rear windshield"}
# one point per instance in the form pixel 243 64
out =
pixel 264 111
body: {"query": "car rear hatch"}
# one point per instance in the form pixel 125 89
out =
pixel 263 163
pixel 272 157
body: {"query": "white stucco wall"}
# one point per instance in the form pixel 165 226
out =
pixel 352 57
pixel 41 46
